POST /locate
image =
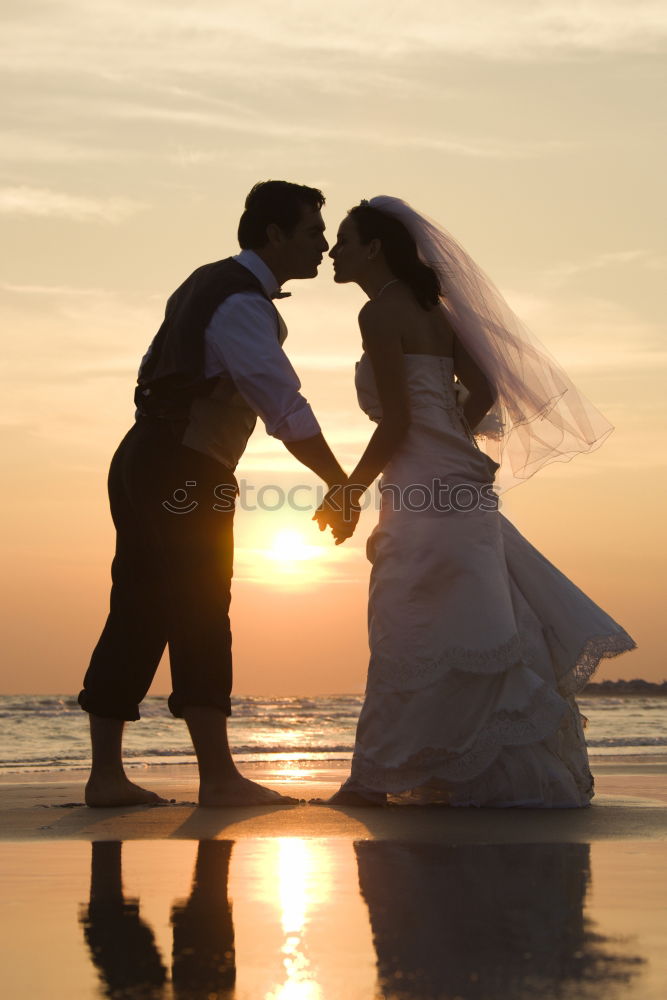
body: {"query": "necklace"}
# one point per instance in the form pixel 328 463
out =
pixel 393 281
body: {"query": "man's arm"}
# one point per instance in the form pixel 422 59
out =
pixel 316 454
pixel 242 339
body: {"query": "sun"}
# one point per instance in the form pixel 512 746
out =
pixel 290 546
pixel 291 559
pixel 288 555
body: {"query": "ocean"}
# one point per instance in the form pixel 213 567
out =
pixel 41 733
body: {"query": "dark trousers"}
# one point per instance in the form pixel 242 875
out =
pixel 171 577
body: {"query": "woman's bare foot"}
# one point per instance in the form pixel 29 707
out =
pixel 119 791
pixel 240 791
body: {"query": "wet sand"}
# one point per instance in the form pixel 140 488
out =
pixel 629 802
pixel 311 903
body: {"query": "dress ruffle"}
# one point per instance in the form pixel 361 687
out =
pixel 469 723
pixel 598 647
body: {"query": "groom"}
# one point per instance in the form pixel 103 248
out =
pixel 214 365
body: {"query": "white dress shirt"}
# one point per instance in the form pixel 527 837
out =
pixel 244 338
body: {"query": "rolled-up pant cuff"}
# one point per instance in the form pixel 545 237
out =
pixel 178 704
pixel 106 709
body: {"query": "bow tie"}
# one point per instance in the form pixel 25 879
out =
pixel 281 295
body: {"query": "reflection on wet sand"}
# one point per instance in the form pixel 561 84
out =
pixel 297 871
pixel 295 876
pixel 123 948
pixel 503 921
pixel 468 922
pixel 203 966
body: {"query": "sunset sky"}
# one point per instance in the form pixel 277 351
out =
pixel 131 133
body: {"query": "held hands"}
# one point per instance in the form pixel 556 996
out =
pixel 340 511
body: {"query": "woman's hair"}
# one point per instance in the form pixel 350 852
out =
pixel 278 202
pixel 400 251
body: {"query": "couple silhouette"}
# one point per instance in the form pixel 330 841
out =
pixel 478 644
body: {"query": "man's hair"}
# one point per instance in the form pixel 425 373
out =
pixel 278 202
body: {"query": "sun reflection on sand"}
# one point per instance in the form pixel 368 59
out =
pixel 303 883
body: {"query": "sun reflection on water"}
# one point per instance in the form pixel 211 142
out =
pixel 303 883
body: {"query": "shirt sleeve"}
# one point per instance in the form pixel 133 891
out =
pixel 242 339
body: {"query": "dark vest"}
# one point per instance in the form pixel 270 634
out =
pixel 172 373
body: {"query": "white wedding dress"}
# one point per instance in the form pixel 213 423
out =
pixel 478 644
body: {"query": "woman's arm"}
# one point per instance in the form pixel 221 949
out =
pixel 382 342
pixel 481 395
pixel 381 338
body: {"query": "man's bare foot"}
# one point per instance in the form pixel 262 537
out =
pixel 240 791
pixel 119 791
pixel 348 798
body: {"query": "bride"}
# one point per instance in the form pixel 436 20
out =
pixel 478 644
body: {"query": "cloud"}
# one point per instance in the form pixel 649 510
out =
pixel 116 40
pixel 534 28
pixel 599 262
pixel 207 84
pixel 224 119
pixel 593 335
pixel 51 291
pixel 112 34
pixel 44 203
pixel 22 147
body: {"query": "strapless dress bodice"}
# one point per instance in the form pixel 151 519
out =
pixel 430 379
pixel 438 441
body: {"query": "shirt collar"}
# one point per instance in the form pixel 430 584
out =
pixel 254 263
